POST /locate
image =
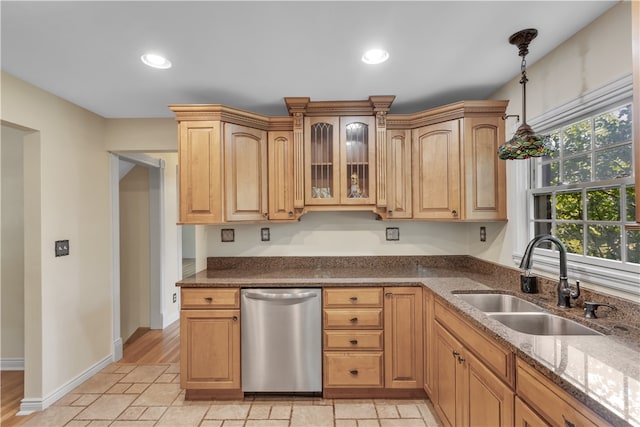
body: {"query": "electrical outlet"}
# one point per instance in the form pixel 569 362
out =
pixel 175 297
pixel 393 233
pixel 265 235
pixel 62 247
pixel 483 234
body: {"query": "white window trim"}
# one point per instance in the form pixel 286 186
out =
pixel 604 274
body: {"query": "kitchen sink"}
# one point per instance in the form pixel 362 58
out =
pixel 495 303
pixel 542 324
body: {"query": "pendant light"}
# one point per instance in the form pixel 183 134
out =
pixel 525 142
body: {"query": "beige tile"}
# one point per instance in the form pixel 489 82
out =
pixel 231 411
pixel 144 374
pixel 67 399
pixel 402 422
pixel 386 410
pixel 267 423
pixel 110 368
pixel 125 369
pixel 128 423
pixel 184 416
pixel 259 412
pixel 368 423
pixel 280 412
pixel 211 423
pixel 153 413
pixel 77 423
pixel 106 407
pixel 132 413
pixel 429 414
pixel 158 395
pixel 166 378
pixel 85 399
pixel 233 423
pixel 118 388
pixel 346 423
pixel 409 411
pixel 173 368
pixel 317 416
pixel 99 383
pixel 53 416
pixel 137 388
pixel 99 423
pixel 355 410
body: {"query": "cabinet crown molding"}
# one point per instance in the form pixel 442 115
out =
pixel 375 104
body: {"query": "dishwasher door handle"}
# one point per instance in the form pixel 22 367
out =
pixel 280 297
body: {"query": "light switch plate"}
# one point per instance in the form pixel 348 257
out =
pixel 227 235
pixel 393 233
pixel 265 234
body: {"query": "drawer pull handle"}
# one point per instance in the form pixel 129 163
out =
pixel 290 214
pixel 354 320
pixel 388 294
pixel 568 423
pixel 353 372
pixel 460 360
pixel 235 318
pixel 353 299
pixel 354 342
pixel 208 299
pixel 455 354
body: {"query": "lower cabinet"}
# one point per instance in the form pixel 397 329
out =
pixel 527 417
pixel 210 343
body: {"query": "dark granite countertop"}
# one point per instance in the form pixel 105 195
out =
pixel 602 371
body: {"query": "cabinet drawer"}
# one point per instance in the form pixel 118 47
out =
pixel 353 340
pixel 353 297
pixel 363 318
pixel 538 392
pixel 497 358
pixel 200 298
pixel 361 369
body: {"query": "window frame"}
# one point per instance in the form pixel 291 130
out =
pixel 614 276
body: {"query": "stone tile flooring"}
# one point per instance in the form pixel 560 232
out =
pixel 123 395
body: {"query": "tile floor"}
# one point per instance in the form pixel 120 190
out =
pixel 150 395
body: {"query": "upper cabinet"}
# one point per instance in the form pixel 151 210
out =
pixel 439 164
pixel 340 161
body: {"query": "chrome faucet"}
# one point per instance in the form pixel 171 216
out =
pixel 564 290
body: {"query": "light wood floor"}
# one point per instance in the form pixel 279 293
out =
pixel 155 346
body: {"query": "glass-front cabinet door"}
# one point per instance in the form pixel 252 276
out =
pixel 340 158
pixel 357 158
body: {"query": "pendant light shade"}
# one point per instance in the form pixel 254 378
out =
pixel 525 142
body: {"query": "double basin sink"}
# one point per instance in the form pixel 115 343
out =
pixel 524 316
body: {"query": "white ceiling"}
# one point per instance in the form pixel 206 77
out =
pixel 250 55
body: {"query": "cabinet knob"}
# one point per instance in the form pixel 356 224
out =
pixel 388 294
pixel 354 342
pixel 208 299
pixel 455 354
pixel 354 320
pixel 353 372
pixel 460 359
pixel 235 318
pixel 454 212
pixel 353 299
pixel 290 214
pixel 266 215
pixel 390 212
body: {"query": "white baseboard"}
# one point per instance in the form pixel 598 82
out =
pixel 172 317
pixel 29 404
pixel 117 349
pixel 12 364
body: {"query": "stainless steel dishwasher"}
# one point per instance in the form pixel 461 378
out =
pixel 281 340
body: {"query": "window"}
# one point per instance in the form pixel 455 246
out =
pixel 584 194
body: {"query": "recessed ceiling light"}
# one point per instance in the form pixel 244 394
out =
pixel 156 61
pixel 375 56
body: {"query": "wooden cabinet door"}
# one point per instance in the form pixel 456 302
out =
pixel 201 174
pixel 322 160
pixel 281 175
pixel 428 352
pixel 403 337
pixel 399 202
pixel 357 161
pixel 448 379
pixel 245 173
pixel 487 400
pixel 484 188
pixel 210 349
pixel 436 171
pixel 527 417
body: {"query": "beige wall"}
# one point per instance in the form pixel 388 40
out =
pixel 12 242
pixel 141 135
pixel 134 251
pixel 67 299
